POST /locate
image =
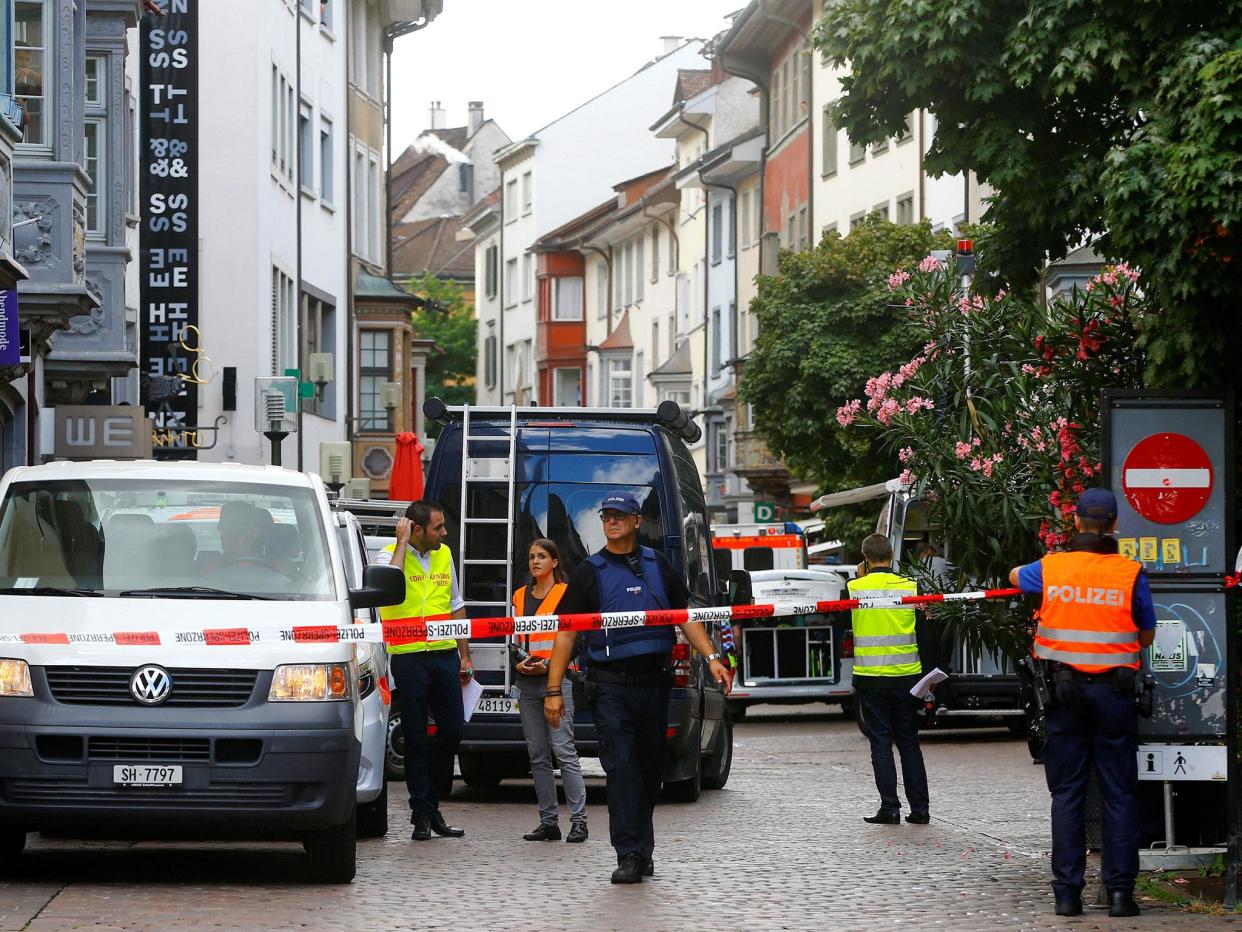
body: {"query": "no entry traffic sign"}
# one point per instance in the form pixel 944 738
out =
pixel 1167 478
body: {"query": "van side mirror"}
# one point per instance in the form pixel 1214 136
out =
pixel 740 590
pixel 381 585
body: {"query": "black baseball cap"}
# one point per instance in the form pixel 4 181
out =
pixel 1099 504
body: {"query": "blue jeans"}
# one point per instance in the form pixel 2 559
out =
pixel 631 723
pixel 1101 731
pixel 890 714
pixel 429 681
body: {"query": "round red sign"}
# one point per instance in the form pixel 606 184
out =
pixel 1167 478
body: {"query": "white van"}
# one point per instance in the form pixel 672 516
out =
pixel 132 738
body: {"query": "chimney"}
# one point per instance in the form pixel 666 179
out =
pixel 475 117
pixel 437 116
pixel 671 44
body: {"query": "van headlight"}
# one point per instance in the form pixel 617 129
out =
pixel 311 682
pixel 15 678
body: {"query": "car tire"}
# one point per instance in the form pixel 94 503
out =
pixel 1018 726
pixel 686 791
pixel 394 749
pixel 849 708
pixel 720 762
pixel 12 843
pixel 373 816
pixel 860 718
pixel 334 852
pixel 477 771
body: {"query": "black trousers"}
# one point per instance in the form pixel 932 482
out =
pixel 1099 730
pixel 890 715
pixel 429 681
pixel 631 723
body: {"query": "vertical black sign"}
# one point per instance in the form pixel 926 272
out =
pixel 168 244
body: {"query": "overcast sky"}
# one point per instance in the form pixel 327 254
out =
pixel 532 62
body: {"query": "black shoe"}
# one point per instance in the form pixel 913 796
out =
pixel 918 818
pixel 443 829
pixel 649 870
pixel 883 817
pixel 577 833
pixel 545 831
pixel 630 869
pixel 1070 907
pixel 422 828
pixel 1121 903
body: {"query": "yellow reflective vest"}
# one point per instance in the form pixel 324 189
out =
pixel 884 641
pixel 428 597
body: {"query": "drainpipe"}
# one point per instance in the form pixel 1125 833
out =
pixel 351 312
pixel 297 200
pixel 501 275
pixel 607 257
pixel 707 244
pixel 922 175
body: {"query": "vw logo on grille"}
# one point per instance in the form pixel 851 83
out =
pixel 150 685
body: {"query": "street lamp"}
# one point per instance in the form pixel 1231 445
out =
pixel 320 367
pixel 335 464
pixel 390 398
pixel 275 407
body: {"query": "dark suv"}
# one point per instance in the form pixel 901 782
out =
pixel 565 461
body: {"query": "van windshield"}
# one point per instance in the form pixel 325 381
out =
pixel 113 537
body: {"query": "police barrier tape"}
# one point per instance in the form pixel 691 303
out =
pixel 404 631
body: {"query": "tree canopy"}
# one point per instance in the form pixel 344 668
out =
pixel 448 318
pixel 1114 119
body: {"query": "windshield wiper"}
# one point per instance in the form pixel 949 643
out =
pixel 49 590
pixel 191 592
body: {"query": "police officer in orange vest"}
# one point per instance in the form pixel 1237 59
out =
pixel 1094 621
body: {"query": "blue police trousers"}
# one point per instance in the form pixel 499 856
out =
pixel 1100 731
pixel 429 681
pixel 891 716
pixel 630 723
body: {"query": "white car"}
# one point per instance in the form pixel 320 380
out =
pixel 160 729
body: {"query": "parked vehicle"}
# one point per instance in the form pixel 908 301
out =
pixel 259 739
pixel 374 691
pixel 982 686
pixel 756 547
pixel 506 476
pixel 796 659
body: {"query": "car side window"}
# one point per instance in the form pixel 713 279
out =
pixel 694 525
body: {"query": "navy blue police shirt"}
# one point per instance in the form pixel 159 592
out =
pixel 583 596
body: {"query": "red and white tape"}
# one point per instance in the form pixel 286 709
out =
pixel 409 630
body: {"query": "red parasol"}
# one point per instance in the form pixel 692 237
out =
pixel 406 483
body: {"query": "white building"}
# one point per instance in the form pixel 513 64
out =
pixel 551 177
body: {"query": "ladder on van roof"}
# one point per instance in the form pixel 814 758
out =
pixel 479 471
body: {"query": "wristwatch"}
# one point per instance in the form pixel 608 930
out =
pixel 715 656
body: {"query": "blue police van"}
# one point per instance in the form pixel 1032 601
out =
pixel 506 476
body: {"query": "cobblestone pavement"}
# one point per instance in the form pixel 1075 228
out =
pixel 781 847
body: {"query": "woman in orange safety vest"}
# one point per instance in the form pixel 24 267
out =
pixel 540 596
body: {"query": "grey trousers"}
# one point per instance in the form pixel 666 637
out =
pixel 542 742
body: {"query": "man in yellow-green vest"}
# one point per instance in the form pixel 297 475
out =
pixel 428 675
pixel 886 667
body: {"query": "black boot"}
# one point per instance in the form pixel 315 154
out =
pixel 1070 907
pixel 630 869
pixel 1121 903
pixel 443 829
pixel 545 831
pixel 884 817
pixel 422 828
pixel 577 833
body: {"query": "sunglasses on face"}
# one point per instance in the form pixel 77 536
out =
pixel 607 516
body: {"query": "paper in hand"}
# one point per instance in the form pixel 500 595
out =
pixel 923 688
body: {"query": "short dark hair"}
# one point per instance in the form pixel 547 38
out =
pixel 877 549
pixel 420 512
pixel 1096 525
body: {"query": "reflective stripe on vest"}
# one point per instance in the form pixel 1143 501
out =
pixel 1086 618
pixel 539 645
pixel 428 597
pixel 884 638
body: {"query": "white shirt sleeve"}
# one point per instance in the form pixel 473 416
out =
pixel 391 558
pixel 455 597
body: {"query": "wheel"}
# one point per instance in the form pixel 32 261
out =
pixel 394 749
pixel 479 771
pixel 860 718
pixel 12 843
pixel 686 791
pixel 720 762
pixel 1018 726
pixel 737 710
pixel 334 852
pixel 373 816
pixel 849 708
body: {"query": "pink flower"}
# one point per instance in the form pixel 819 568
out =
pixel 962 449
pixel 930 347
pixel 886 410
pixel 878 386
pixel 976 442
pixel 1000 294
pixel 848 412
pixel 918 402
pixel 1030 370
pixel 897 279
pixel 905 453
pixel 910 369
pixel 930 264
pixel 906 477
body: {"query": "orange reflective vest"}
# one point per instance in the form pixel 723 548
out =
pixel 539 645
pixel 1085 619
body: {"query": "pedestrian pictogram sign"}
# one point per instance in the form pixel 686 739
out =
pixel 1167 478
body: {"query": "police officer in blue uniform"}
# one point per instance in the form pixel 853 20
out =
pixel 628 674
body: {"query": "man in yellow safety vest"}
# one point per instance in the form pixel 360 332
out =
pixel 886 667
pixel 428 675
